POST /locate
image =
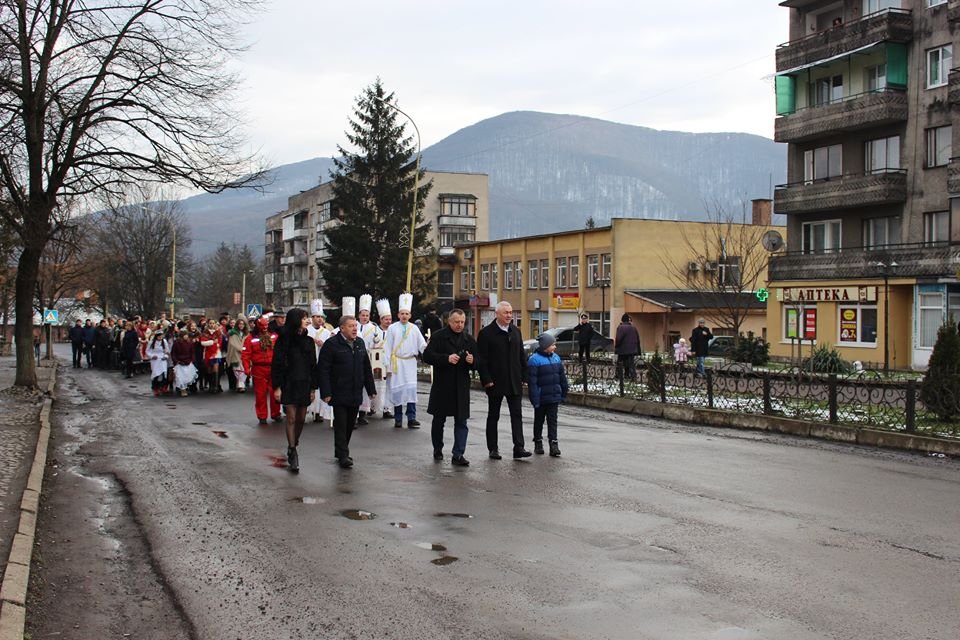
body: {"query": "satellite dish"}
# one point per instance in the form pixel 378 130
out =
pixel 772 241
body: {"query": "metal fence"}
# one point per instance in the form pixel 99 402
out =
pixel 863 400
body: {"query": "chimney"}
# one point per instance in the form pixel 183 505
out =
pixel 762 212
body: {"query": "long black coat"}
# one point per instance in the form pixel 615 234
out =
pixel 294 360
pixel 345 372
pixel 450 393
pixel 502 360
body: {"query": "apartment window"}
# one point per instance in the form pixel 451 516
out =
pixel 858 325
pixel 325 210
pixel 881 232
pixel 936 227
pixel 821 237
pixel 931 317
pixel 593 270
pixel 458 205
pixel 494 280
pixel 728 272
pixel 873 6
pixel 544 274
pixel 933 3
pixel 875 77
pixel 561 273
pixel 605 264
pixel 516 318
pixel 517 275
pixel 508 275
pixel 882 155
pixel 300 220
pixel 539 322
pixel 823 163
pixel 465 279
pixel 445 284
pixel 826 90
pixel 452 236
pixel 574 271
pixel 473 278
pixel 533 269
pixel 939 146
pixel 939 61
pixel 485 277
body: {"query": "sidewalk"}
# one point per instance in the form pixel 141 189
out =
pixel 20 426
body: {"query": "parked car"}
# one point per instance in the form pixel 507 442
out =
pixel 567 346
pixel 720 346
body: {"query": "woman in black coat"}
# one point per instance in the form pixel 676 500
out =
pixel 295 376
pixel 129 346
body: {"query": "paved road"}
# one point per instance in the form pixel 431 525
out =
pixel 642 529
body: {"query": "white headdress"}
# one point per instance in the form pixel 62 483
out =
pixel 348 307
pixel 383 307
pixel 366 301
pixel 316 308
pixel 406 302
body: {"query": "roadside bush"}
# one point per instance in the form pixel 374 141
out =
pixel 940 389
pixel 751 350
pixel 827 360
pixel 656 376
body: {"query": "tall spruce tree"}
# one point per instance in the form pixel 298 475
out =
pixel 373 198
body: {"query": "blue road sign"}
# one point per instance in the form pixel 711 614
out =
pixel 51 316
pixel 254 310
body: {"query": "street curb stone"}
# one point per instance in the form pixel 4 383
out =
pixel 16 578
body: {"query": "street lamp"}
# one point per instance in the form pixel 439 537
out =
pixel 602 283
pixel 243 291
pixel 887 269
pixel 416 189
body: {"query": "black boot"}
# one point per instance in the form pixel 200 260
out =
pixel 554 449
pixel 293 461
pixel 538 446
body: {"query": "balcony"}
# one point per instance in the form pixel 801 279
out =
pixel 293 284
pixel 856 112
pixel 293 234
pixel 953 10
pixel 914 261
pixel 457 221
pixel 953 86
pixel 297 258
pixel 843 192
pixel 272 247
pixel 892 25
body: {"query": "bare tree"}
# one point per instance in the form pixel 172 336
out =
pixel 725 265
pixel 98 96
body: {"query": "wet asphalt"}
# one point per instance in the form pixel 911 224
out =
pixel 641 529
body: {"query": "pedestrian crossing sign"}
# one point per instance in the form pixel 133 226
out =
pixel 51 316
pixel 254 310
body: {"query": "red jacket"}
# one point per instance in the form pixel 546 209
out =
pixel 256 353
pixel 211 350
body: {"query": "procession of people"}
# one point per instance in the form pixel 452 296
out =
pixel 302 369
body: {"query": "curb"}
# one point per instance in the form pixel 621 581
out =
pixel 13 591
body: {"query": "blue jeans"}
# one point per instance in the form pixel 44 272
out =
pixel 459 434
pixel 548 412
pixel 411 412
pixel 700 360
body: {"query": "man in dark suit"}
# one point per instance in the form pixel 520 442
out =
pixel 503 372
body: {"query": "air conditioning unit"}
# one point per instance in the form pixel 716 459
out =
pixel 693 266
pixel 710 266
pixel 468 254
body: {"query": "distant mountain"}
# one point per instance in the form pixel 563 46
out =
pixel 547 173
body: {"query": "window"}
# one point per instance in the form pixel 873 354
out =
pixel 858 325
pixel 596 319
pixel 452 236
pixel 538 322
pixel 875 77
pixel 544 274
pixel 473 278
pixel 882 155
pixel 939 146
pixel 445 284
pixel 936 227
pixel 873 6
pixel 574 271
pixel 458 205
pixel 821 237
pixel 605 264
pixel 593 270
pixel 533 269
pixel 939 61
pixel 485 277
pixel 517 275
pixel 881 232
pixel 728 272
pixel 823 163
pixel 933 3
pixel 494 280
pixel 931 317
pixel 561 273
pixel 508 275
pixel 465 279
pixel 300 220
pixel 516 319
pixel 826 90
pixel 799 323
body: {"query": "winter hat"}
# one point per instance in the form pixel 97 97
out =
pixel 545 340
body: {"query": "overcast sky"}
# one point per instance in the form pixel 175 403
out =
pixel 699 65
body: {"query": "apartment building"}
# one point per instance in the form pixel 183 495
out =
pixel 662 273
pixel 866 95
pixel 457 208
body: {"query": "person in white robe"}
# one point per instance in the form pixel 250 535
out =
pixel 378 357
pixel 372 338
pixel 319 332
pixel 403 345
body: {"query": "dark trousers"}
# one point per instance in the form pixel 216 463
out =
pixel 459 434
pixel 514 403
pixel 88 351
pixel 77 354
pixel 344 419
pixel 398 412
pixel 548 411
pixel 627 366
pixel 583 354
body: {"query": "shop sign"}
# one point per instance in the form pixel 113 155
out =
pixel 848 325
pixel 479 301
pixel 827 294
pixel 566 301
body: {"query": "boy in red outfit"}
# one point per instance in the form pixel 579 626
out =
pixel 257 357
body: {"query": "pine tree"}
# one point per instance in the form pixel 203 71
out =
pixel 940 389
pixel 373 196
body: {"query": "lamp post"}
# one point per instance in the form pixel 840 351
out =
pixel 602 283
pixel 887 269
pixel 416 189
pixel 243 291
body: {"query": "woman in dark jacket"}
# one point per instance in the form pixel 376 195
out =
pixel 295 376
pixel 129 347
